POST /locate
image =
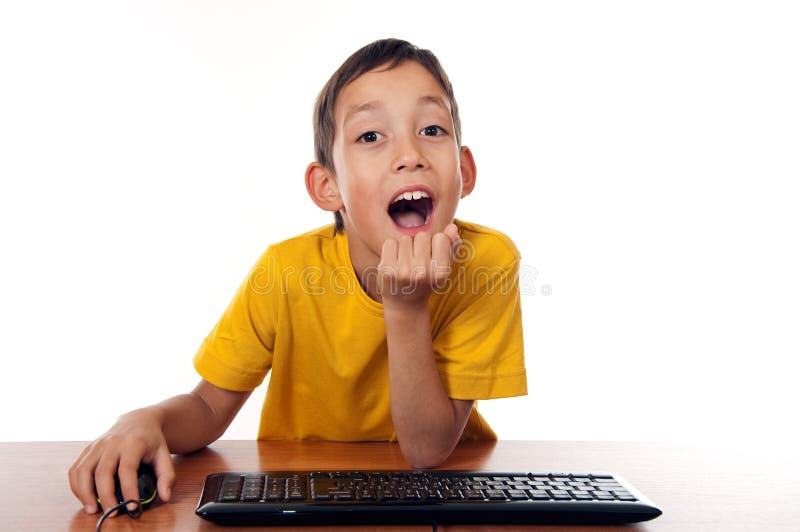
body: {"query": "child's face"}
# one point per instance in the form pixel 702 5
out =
pixel 394 137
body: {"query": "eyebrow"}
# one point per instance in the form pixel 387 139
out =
pixel 436 100
pixel 374 105
pixel 362 108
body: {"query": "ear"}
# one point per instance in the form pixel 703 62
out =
pixel 468 171
pixel 322 188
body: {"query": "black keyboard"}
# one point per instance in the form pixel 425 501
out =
pixel 372 497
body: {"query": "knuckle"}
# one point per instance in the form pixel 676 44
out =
pixel 80 471
pixel 108 440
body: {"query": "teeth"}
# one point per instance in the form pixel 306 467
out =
pixel 412 195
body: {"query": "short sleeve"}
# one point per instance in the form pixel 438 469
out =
pixel 479 346
pixel 237 354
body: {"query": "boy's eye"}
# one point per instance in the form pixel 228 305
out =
pixel 433 131
pixel 369 136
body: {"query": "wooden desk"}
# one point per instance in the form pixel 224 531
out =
pixel 698 489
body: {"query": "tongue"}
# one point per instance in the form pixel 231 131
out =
pixel 409 219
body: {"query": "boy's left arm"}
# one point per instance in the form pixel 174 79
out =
pixel 427 422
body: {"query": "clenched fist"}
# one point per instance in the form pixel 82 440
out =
pixel 412 267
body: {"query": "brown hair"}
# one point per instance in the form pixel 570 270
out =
pixel 389 52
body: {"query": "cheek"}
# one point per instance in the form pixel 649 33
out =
pixel 354 193
pixel 359 180
pixel 447 160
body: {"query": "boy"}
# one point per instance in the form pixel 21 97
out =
pixel 386 326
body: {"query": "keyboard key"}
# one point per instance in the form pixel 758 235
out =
pixel 252 488
pixel 495 495
pixel 410 495
pixel 539 495
pixel 230 489
pixel 251 495
pixel 452 495
pixel 276 489
pixel 517 495
pixel 473 494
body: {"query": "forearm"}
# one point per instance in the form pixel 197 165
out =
pixel 193 420
pixel 186 422
pixel 424 417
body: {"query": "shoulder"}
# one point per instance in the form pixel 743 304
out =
pixel 315 243
pixel 485 245
pixel 284 264
pixel 320 236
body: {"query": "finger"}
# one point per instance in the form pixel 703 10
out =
pixel 387 269
pixel 441 258
pixel 421 260
pixel 104 481
pixel 422 247
pixel 129 478
pixel 452 232
pixel 389 252
pixel 405 253
pixel 165 473
pixel 81 480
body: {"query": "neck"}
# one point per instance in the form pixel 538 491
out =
pixel 365 264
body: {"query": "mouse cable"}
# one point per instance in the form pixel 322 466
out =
pixel 133 514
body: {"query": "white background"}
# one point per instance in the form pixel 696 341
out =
pixel 644 157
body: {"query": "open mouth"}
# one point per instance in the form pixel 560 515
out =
pixel 411 209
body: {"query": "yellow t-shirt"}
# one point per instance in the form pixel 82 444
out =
pixel 302 314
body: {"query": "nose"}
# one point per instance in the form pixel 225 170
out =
pixel 408 155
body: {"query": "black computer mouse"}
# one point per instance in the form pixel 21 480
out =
pixel 147 486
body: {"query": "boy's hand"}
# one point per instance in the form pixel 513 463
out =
pixel 135 438
pixel 412 267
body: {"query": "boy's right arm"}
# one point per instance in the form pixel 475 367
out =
pixel 181 424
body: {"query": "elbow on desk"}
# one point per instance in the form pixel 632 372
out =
pixel 425 459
